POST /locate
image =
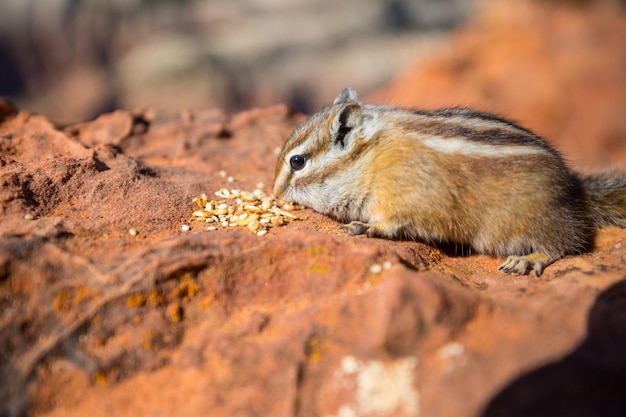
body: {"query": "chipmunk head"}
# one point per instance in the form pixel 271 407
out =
pixel 316 153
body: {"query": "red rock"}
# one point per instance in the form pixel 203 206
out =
pixel 110 128
pixel 303 321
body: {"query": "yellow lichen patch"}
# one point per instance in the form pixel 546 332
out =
pixel 175 312
pixel 187 287
pixel 136 300
pixel 101 378
pixel 83 292
pixel 319 251
pixel 148 338
pixel 67 298
pixel 320 259
pixel 206 303
pixel 313 349
pixel 318 269
pixel 155 298
pixel 63 301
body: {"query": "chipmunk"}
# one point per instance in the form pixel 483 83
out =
pixel 449 175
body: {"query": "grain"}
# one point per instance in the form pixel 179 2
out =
pixel 254 210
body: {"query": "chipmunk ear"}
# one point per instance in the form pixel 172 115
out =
pixel 346 95
pixel 347 119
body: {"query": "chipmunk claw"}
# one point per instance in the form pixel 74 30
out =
pixel 515 265
pixel 520 264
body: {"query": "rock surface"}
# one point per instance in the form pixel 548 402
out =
pixel 303 321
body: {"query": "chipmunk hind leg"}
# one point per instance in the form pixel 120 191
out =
pixel 520 265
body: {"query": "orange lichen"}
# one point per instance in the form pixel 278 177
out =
pixel 187 287
pixel 136 300
pixel 101 378
pixel 175 312
pixel 63 301
pixel 155 298
pixel 206 303
pixel 313 349
pixel 148 338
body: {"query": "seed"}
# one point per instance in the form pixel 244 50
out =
pixel 222 173
pixel 133 232
pixel 260 185
pixel 211 228
pixel 230 179
pixel 250 218
pixel 287 214
pixel 252 208
pixel 376 269
pixel 254 226
pixel 247 196
pixel 255 210
pixel 261 232
pixel 28 216
pixel 200 213
pixel 185 228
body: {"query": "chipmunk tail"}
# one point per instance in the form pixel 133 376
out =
pixel 606 198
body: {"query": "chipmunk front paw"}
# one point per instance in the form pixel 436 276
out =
pixel 520 264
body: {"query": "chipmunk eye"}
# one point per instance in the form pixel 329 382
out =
pixel 297 162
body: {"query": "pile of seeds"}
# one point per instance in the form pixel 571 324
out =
pixel 255 210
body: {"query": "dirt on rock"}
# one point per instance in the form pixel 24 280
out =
pixel 109 306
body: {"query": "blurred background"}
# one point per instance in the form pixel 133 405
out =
pixel 550 64
pixel 73 59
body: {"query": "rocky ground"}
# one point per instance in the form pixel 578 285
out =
pixel 302 321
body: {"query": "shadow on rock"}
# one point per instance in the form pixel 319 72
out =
pixel 590 381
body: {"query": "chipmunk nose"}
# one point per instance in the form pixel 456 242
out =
pixel 277 191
